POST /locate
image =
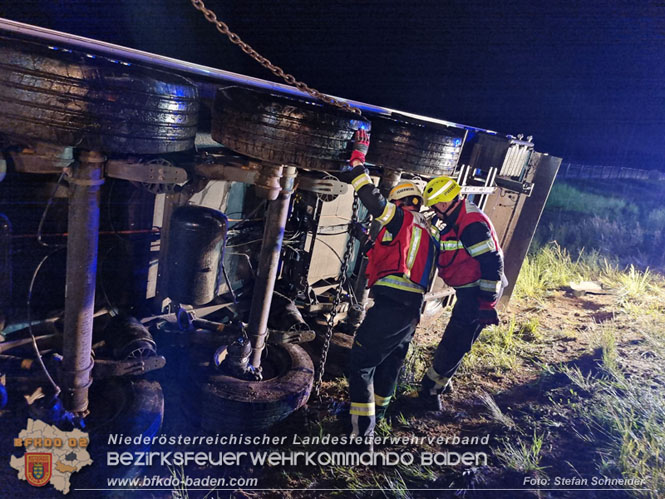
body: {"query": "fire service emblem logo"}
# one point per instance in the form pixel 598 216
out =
pixel 37 468
pixel 51 455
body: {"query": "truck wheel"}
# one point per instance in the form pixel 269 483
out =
pixel 284 130
pixel 133 408
pixel 226 404
pixel 70 98
pixel 129 406
pixel 414 146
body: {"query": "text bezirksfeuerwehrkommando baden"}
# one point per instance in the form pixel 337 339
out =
pixel 173 455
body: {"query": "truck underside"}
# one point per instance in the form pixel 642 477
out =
pixel 162 216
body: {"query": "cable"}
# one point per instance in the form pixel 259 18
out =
pixel 333 250
pixel 43 218
pixel 249 261
pixel 224 273
pixel 113 311
pixel 351 292
pixel 245 243
pixel 331 233
pixel 32 335
pixel 108 209
pixel 243 220
pixel 249 215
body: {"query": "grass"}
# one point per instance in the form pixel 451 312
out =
pixel 523 456
pixel 565 196
pixel 551 268
pixel 623 411
pixel 391 484
pixel 627 416
pixel 416 364
pixel 502 348
pixel 495 411
pixel 585 382
pixel 599 218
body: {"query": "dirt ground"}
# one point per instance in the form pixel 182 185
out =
pixel 526 397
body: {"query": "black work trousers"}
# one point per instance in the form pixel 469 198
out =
pixel 461 332
pixel 377 355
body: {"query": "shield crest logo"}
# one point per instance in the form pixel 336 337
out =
pixel 37 468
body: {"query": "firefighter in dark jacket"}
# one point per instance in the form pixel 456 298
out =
pixel 400 267
pixel 471 261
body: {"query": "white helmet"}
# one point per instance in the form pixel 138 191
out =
pixel 406 190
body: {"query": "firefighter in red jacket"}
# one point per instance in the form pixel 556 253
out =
pixel 471 261
pixel 400 267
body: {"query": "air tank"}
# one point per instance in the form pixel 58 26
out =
pixel 195 246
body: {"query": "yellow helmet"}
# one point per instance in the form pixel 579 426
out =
pixel 406 190
pixel 441 190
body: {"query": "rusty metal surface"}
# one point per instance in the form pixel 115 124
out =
pixel 83 227
pixel 152 172
pixel 222 169
pixel 43 159
pixel 328 186
pixel 264 285
pixel 171 203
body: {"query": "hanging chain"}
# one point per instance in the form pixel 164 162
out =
pixel 338 295
pixel 276 70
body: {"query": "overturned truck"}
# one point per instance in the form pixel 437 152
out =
pixel 166 218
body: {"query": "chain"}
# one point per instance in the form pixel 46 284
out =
pixel 276 70
pixel 338 295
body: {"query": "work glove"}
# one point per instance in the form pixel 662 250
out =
pixel 360 146
pixel 488 317
pixel 359 231
pixel 487 314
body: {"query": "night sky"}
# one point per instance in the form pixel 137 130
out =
pixel 585 78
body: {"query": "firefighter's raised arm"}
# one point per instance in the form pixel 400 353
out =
pixel 383 211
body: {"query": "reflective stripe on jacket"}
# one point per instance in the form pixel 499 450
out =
pixel 405 260
pixel 457 264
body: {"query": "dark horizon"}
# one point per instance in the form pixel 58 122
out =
pixel 583 79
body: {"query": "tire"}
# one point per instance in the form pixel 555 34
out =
pixel 414 146
pixel 136 404
pixel 225 404
pixel 70 98
pixel 284 130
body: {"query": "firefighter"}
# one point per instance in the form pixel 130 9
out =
pixel 401 264
pixel 471 261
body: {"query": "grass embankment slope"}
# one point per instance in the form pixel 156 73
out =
pixel 570 386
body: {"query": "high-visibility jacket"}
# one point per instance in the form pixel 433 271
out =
pixel 405 260
pixel 457 264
